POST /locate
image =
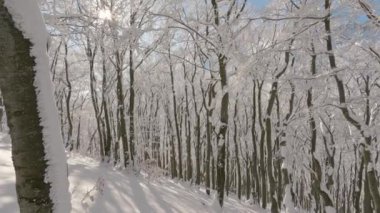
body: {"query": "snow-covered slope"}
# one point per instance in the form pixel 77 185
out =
pixel 8 200
pixel 99 188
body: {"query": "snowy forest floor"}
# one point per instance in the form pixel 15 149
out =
pixel 98 187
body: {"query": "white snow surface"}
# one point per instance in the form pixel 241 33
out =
pixel 28 19
pixel 98 188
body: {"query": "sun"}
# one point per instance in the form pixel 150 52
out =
pixel 105 14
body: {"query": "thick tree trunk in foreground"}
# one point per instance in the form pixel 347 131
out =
pixel 20 99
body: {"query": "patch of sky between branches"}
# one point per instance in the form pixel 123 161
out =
pixel 259 4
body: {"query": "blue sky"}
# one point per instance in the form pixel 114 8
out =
pixel 261 3
pixel 258 3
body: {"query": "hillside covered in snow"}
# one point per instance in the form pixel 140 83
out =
pixel 98 188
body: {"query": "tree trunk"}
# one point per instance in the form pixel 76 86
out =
pixel 131 106
pixel 173 162
pixel 69 142
pixel 197 130
pixel 262 151
pixel 120 108
pixel 221 137
pixel 209 128
pixel 17 78
pixel 237 153
pixel 189 166
pixel 255 181
pixel 108 134
pixel 286 200
pixel 176 123
pixel 91 53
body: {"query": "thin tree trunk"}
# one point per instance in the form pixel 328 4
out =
pixel 237 153
pixel 189 166
pixel 91 53
pixel 173 162
pixel 209 128
pixel 176 123
pixel 262 150
pixel 198 137
pixel 69 142
pixel 256 193
pixel 131 106
pixel 108 134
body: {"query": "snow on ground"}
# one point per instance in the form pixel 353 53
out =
pixel 8 200
pixel 97 188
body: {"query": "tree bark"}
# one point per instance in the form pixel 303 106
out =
pixel 69 142
pixel 237 152
pixel 209 128
pixel 108 135
pixel 256 193
pixel 121 107
pixel 176 123
pixel 131 106
pixel 189 166
pixel 17 77
pixel 262 150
